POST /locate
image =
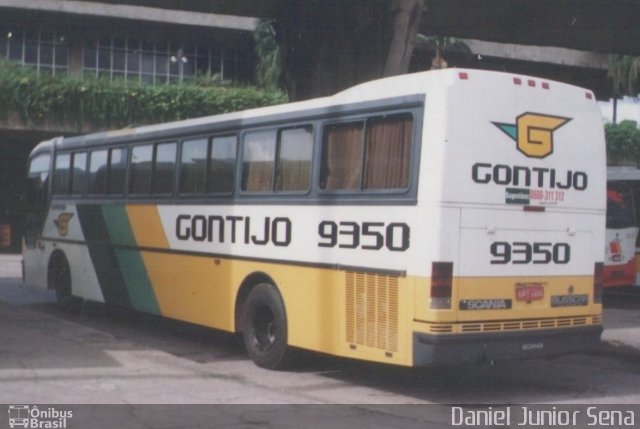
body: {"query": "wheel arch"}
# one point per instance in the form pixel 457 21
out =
pixel 249 282
pixel 57 259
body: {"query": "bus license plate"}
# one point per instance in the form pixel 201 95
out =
pixel 529 292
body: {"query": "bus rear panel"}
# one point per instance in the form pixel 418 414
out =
pixel 513 174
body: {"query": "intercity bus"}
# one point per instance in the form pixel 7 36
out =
pixel 444 217
pixel 622 262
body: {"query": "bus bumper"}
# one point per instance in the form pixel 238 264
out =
pixel 436 350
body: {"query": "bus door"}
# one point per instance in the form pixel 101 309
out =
pixel 37 198
pixel 621 234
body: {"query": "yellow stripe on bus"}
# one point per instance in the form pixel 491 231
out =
pixel 147 226
pixel 190 288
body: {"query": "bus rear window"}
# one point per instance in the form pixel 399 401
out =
pixel 371 155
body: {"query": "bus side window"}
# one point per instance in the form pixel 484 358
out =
pixel 193 167
pixel 164 171
pixel 222 164
pixel 387 156
pixel 293 167
pixel 341 165
pixel 61 174
pixel 78 172
pixel 140 169
pixel 117 171
pixel 97 178
pixel 379 161
pixel 258 155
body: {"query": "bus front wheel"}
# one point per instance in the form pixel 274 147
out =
pixel 265 327
pixel 60 278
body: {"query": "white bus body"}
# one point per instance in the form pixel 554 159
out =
pixel 492 249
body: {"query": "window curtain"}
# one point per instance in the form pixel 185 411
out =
pixel 342 156
pixel 388 153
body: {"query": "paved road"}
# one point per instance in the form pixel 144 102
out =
pixel 48 355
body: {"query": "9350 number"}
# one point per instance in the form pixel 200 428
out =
pixel 521 252
pixel 365 235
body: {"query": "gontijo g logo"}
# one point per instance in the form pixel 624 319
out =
pixel 62 223
pixel 533 133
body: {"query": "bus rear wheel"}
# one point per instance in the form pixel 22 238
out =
pixel 265 327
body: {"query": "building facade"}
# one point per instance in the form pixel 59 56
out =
pixel 113 40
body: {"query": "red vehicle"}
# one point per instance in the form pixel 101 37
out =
pixel 621 236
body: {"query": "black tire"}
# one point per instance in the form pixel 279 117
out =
pixel 60 276
pixel 265 327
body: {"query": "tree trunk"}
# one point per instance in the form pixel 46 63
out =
pixel 408 15
pixel 438 61
pixel 330 45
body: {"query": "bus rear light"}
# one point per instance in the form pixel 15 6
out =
pixel 531 83
pixel 441 285
pixel 463 75
pixel 598 282
pixel 517 81
pixel 545 85
pixel 588 95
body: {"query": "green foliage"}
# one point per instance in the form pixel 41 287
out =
pixel 623 142
pixel 269 68
pixel 623 71
pixel 101 103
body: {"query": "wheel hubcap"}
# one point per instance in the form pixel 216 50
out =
pixel 264 329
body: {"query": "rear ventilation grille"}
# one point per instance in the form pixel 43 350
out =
pixel 519 325
pixel 440 328
pixel 372 310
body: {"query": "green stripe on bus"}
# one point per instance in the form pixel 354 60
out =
pixel 130 261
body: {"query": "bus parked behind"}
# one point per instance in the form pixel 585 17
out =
pixel 622 262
